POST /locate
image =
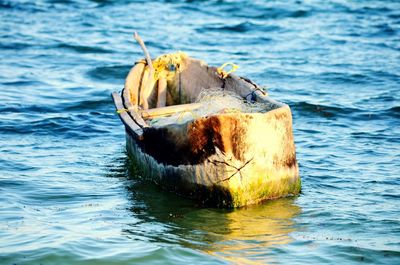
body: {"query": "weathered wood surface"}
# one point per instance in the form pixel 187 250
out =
pixel 224 160
pixel 130 124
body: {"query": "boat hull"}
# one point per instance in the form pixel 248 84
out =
pixel 225 160
pixel 228 157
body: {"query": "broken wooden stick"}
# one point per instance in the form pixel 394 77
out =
pixel 146 89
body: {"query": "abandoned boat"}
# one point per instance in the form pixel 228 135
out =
pixel 207 134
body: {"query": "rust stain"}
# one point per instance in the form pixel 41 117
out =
pixel 198 136
pixel 226 133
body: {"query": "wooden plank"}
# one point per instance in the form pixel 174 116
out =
pixel 149 113
pixel 131 109
pixel 127 120
pixel 162 92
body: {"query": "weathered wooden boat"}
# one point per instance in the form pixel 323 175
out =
pixel 226 157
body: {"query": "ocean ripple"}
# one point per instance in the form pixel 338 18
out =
pixel 69 193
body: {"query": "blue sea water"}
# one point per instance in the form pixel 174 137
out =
pixel 67 195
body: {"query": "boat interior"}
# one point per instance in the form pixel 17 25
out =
pixel 178 83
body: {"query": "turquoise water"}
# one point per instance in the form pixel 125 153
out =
pixel 67 195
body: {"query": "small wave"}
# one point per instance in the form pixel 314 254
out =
pixel 14 46
pixel 390 182
pixel 88 105
pixel 82 48
pixel 376 135
pixel 14 166
pixel 264 13
pixel 20 108
pixel 79 106
pixel 23 6
pixel 395 16
pixel 11 182
pixel 383 30
pixel 385 96
pixel 344 78
pixel 276 13
pixel 395 109
pixel 320 110
pixel 56 124
pixel 160 45
pixel 391 196
pixel 6 5
pixel 71 126
pixel 241 28
pixel 393 112
pixel 113 72
pixel 24 83
pixel 367 254
pixel 305 108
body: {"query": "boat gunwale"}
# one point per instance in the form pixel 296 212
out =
pixel 139 130
pixel 129 122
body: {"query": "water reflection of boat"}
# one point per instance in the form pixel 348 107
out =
pixel 235 235
pixel 246 232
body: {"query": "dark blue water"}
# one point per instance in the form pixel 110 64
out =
pixel 67 194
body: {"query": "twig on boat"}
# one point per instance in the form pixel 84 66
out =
pixel 221 162
pixel 238 169
pixel 144 93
